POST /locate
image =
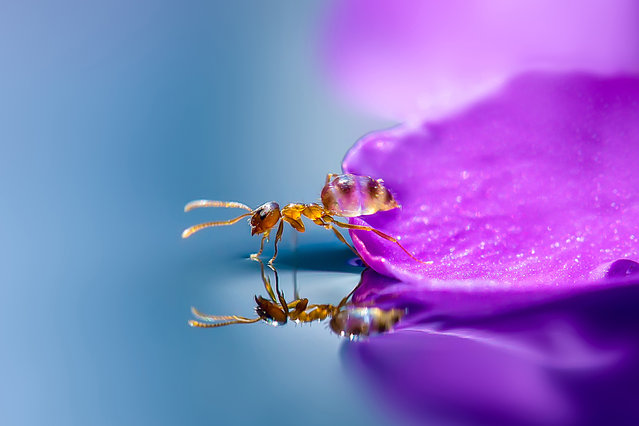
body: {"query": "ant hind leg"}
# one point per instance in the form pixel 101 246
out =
pixel 321 222
pixel 342 239
pixel 378 232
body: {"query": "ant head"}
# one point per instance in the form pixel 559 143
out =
pixel 265 217
pixel 269 311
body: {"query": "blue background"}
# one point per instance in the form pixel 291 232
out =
pixel 112 116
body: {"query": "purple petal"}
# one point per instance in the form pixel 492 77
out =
pixel 536 185
pixel 424 58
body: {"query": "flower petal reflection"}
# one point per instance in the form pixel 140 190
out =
pixel 493 357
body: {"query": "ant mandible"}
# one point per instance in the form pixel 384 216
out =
pixel 344 195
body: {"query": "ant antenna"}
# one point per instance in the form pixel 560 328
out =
pixel 194 323
pixel 226 320
pixel 193 229
pixel 211 203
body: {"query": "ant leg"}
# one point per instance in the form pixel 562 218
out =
pixel 344 301
pixel 342 239
pixel 255 256
pixel 296 293
pixel 193 229
pixel 280 294
pixel 378 232
pixel 266 280
pixel 278 237
pixel 321 222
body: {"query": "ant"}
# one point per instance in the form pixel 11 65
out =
pixel 345 318
pixel 343 195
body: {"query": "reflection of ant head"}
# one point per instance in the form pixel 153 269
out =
pixel 265 217
pixel 269 311
pixel 354 322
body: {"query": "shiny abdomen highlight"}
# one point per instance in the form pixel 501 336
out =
pixel 351 196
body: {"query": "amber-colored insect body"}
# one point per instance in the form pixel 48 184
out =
pixel 346 319
pixel 344 195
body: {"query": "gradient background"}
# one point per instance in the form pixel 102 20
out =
pixel 112 116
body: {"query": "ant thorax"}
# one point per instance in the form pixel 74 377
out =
pixel 351 196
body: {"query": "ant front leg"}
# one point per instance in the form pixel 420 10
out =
pixel 255 256
pixel 266 280
pixel 278 237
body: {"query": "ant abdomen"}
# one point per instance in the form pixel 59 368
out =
pixel 352 195
pixel 358 321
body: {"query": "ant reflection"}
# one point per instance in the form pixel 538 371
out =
pixel 346 319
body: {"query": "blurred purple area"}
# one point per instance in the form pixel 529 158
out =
pixel 476 356
pixel 411 59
